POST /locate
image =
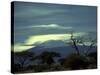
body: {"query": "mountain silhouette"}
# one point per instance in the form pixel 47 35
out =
pixel 52 43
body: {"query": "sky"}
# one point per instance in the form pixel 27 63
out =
pixel 36 23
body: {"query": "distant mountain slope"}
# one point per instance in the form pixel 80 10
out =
pixel 63 50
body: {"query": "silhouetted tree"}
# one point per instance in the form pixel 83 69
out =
pixel 74 43
pixel 86 41
pixel 23 57
pixel 47 57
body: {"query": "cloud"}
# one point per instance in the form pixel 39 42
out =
pixel 42 38
pixel 20 47
pixel 38 39
pixel 46 26
pixel 49 26
pixel 53 26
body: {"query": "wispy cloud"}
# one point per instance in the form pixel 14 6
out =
pixel 49 26
pixel 42 38
pixel 52 26
pixel 38 39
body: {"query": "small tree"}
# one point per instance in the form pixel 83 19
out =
pixel 47 57
pixel 74 43
pixel 23 57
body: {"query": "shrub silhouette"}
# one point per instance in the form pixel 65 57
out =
pixel 22 59
pixel 92 60
pixel 93 55
pixel 47 57
pixel 74 62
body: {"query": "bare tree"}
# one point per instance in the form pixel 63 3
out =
pixel 82 41
pixel 92 42
pixel 74 43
